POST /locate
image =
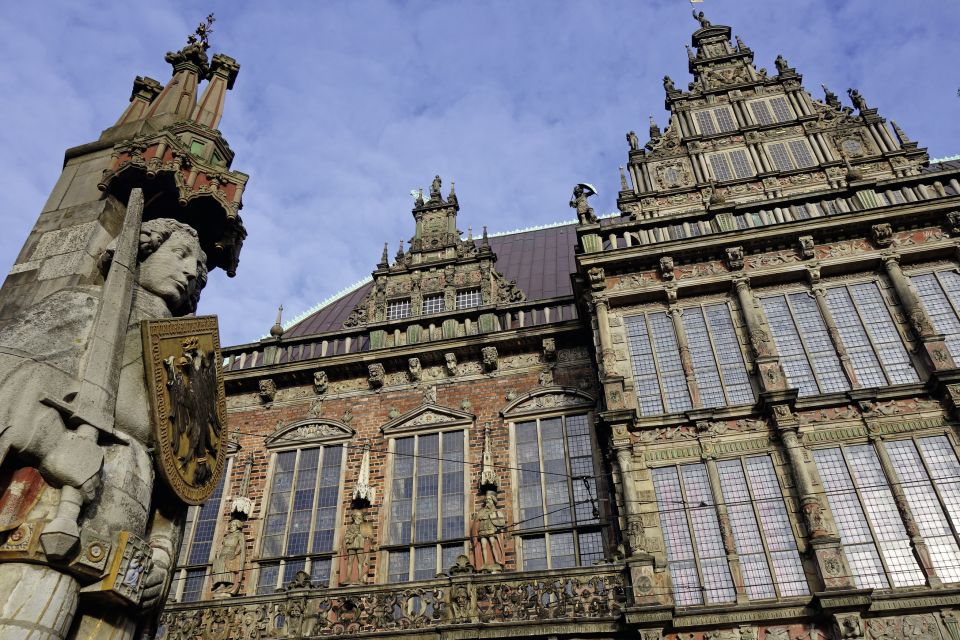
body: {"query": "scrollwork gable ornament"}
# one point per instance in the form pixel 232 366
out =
pixel 548 398
pixel 310 431
pixel 428 416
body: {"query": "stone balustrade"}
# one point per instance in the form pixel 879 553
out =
pixel 581 595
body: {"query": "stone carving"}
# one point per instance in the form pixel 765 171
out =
pixel 857 100
pixel 227 574
pixel 486 536
pixel 546 378
pixel 882 234
pixel 549 349
pixel 806 247
pixel 550 400
pixel 376 375
pixel 581 192
pixel 267 390
pixel 849 626
pixel 953 223
pixel 450 363
pixel 363 492
pixel 666 268
pixel 669 85
pixel 355 557
pixel 489 357
pixel 597 278
pixel 734 258
pixel 633 141
pixel 777 633
pixel 699 17
pixel 488 474
pixel 358 317
pixel 435 189
pixel 873 409
pixel 781 64
pixel 320 382
pixel 430 395
pixel 414 371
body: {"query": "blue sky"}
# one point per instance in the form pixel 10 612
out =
pixel 342 107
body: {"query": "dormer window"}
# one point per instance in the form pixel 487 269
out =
pixel 397 309
pixel 468 298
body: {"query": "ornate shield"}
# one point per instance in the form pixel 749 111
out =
pixel 185 386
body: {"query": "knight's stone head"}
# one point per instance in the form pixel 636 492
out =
pixel 172 264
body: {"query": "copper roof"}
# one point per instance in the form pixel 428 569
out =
pixel 540 260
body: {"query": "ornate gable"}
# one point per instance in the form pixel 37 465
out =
pixel 429 416
pixel 310 431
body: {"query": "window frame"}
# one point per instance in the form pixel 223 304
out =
pixel 181 572
pixel 726 156
pixel 403 304
pixel 429 297
pixel 574 528
pixel 795 164
pixel 467 294
pixel 387 546
pixel 951 339
pixel 710 113
pixel 282 560
pixel 767 102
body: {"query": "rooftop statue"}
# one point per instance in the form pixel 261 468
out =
pixel 699 17
pixel 581 192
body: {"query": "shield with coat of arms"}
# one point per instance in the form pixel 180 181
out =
pixel 185 386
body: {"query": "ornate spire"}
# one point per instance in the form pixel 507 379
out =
pixel 623 180
pixel 277 329
pixel 452 196
pixel 484 241
pixel 488 475
pixel 654 129
pixel 362 491
pixel 384 258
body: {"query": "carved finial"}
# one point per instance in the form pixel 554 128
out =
pixel 419 201
pixel 385 258
pixel 399 256
pixel 901 136
pixel 488 475
pixel 452 197
pixel 277 329
pixel 623 180
pixel 654 129
pixel 202 33
pixel 484 241
pixel 740 45
pixel 362 491
pixel 690 55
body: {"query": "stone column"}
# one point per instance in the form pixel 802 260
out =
pixel 820 295
pixel 920 549
pixel 686 360
pixel 936 355
pixel 38 602
pixel 830 560
pixel 765 354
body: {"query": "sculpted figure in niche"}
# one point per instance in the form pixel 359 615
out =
pixel 40 364
pixel 355 558
pixel 228 564
pixel 486 537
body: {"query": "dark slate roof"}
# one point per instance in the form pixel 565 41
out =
pixel 540 260
pixel 940 166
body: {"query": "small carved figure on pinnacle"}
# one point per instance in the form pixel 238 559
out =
pixel 781 64
pixel 435 189
pixel 581 192
pixel 668 84
pixel 857 100
pixel 655 133
pixel 633 141
pixel 831 98
pixel 702 19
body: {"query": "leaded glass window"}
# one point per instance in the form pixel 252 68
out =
pixel 872 531
pixel 790 155
pixel 940 294
pixel 468 298
pixel 807 354
pixel 716 120
pixel 762 532
pixel 196 549
pixel 770 111
pixel 719 367
pixel 557 526
pixel 397 309
pixel 781 111
pixel 301 515
pixel 870 336
pixel 427 517
pixel 720 166
pixel 761 112
pixel 730 165
pixel 801 154
pixel 433 304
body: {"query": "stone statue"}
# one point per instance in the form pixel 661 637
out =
pixel 668 84
pixel 633 141
pixel 781 64
pixel 585 214
pixel 107 481
pixel 486 538
pixel 857 100
pixel 435 188
pixel 228 563
pixel 699 17
pixel 831 98
pixel 355 558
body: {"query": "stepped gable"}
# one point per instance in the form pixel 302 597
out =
pixel 539 261
pixel 739 133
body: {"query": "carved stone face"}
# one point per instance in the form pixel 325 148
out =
pixel 170 272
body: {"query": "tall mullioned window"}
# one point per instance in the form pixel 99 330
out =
pixel 557 525
pixel 196 551
pixel 808 356
pixel 762 532
pixel 790 155
pixel 771 110
pixel 872 532
pixel 719 368
pixel 427 525
pixel 940 293
pixel 730 165
pixel 301 516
